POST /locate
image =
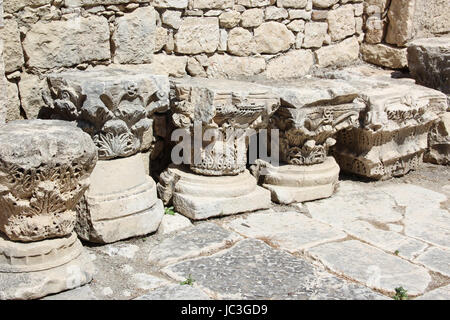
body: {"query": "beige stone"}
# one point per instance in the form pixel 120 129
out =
pixel 13 106
pixel 254 3
pixel 134 37
pixel 275 13
pixel 229 67
pixel 173 66
pixel 294 183
pixel 401 19
pixel 161 38
pixel 273 37
pixel 31 89
pixel 68 42
pixel 439 142
pixel 172 18
pixel 375 30
pixel 120 203
pixel 297 4
pixel 211 4
pixel 344 52
pixel 315 34
pixel 51 162
pixel 341 22
pixel 323 4
pixel 429 62
pixel 252 18
pixel 229 19
pixel 12 47
pixel 177 4
pixel 295 63
pixel 241 42
pixel 384 55
pixel 224 195
pixel 197 35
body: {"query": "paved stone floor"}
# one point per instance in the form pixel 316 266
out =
pixel 367 240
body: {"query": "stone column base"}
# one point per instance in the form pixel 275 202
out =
pixel 201 197
pixel 35 269
pixel 120 203
pixel 293 183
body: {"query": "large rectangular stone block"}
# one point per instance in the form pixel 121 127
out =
pixel 67 43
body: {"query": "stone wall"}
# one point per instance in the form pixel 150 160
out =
pixel 389 25
pixel 2 73
pixel 203 38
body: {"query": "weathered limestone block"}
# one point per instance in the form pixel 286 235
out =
pixel 241 42
pixel 342 53
pixel 252 18
pixel 341 22
pixel 401 19
pixel 211 4
pixel 439 142
pixel 394 132
pixel 120 203
pixel 171 65
pixel 13 106
pixel 44 171
pixel 12 47
pixel 295 63
pixel 134 37
pixel 197 35
pixel 228 67
pixel 315 34
pixel 176 4
pixel 229 19
pixel 273 37
pixel 44 168
pixel 114 106
pixel 32 89
pixel 297 4
pixel 431 18
pixel 323 4
pixel 385 55
pixel 11 6
pixel 67 42
pixel 254 3
pixel 228 111
pixel 429 62
pixel 375 29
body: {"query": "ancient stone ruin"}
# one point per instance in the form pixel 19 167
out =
pixel 123 120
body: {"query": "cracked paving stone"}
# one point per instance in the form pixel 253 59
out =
pixel 390 241
pixel 291 231
pixel 253 270
pixel 175 292
pixel 372 267
pixel 148 282
pixel 81 293
pixel 436 259
pixel 192 242
pixel 442 293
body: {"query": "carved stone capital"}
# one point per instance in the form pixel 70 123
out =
pixel 44 171
pixel 306 134
pixel 226 110
pixel 114 106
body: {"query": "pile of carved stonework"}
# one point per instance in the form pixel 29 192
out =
pixel 86 171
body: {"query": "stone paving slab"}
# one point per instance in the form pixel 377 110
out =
pixel 291 231
pixel 437 260
pixel 175 292
pixel 82 293
pixel 192 242
pixel 371 266
pixel 148 282
pixel 390 241
pixel 442 293
pixel 355 201
pixel 253 270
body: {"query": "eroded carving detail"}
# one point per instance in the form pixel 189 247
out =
pixel 307 133
pixel 225 119
pixel 115 112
